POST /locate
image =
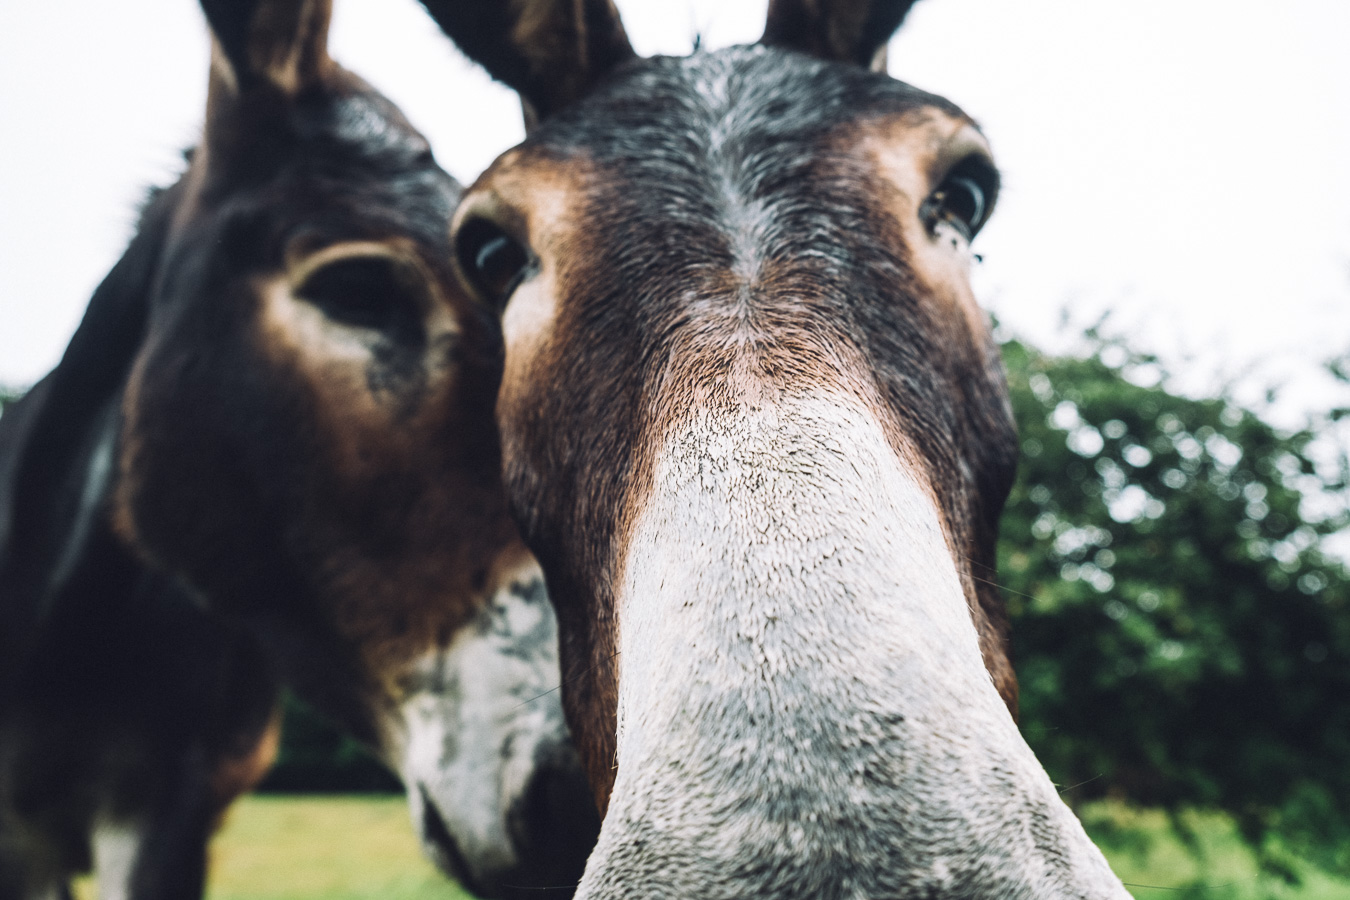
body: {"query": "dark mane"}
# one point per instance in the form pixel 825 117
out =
pixel 48 437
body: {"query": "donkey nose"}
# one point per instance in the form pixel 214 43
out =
pixel 554 823
pixel 550 842
pixel 443 850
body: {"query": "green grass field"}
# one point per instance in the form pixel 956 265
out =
pixel 1154 865
pixel 318 848
pixel 363 848
pixel 335 848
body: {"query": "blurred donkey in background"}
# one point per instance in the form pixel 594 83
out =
pixel 268 456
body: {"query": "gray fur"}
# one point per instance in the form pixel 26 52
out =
pixel 803 710
pixel 481 720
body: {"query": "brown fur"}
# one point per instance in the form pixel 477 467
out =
pixel 550 198
pixel 578 459
pixel 954 313
pixel 404 513
pixel 765 271
pixel 241 772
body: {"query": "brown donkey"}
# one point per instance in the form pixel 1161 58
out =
pixel 279 407
pixel 756 431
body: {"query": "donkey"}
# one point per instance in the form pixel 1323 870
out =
pixel 756 431
pixel 269 454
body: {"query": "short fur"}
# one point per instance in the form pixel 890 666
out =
pixel 790 318
pixel 757 433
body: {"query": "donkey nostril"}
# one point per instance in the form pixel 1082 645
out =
pixel 443 847
pixel 555 823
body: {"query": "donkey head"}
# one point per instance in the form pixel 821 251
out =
pixel 756 430
pixel 307 441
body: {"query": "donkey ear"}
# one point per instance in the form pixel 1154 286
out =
pixel 848 31
pixel 282 43
pixel 551 52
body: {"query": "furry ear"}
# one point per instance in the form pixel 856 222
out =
pixel 551 52
pixel 281 43
pixel 57 442
pixel 848 31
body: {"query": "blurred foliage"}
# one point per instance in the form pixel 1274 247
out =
pixel 1214 863
pixel 316 757
pixel 323 848
pixel 1180 636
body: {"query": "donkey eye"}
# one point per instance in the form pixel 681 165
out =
pixel 965 198
pixel 375 292
pixel 962 203
pixel 494 261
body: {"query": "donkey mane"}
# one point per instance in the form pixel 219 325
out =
pixel 49 431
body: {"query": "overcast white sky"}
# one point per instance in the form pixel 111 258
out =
pixel 1184 162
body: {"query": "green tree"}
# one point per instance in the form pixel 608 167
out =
pixel 1181 638
pixel 316 757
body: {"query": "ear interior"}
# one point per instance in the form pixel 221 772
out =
pixel 279 43
pixel 847 31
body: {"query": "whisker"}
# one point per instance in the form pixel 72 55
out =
pixel 1005 588
pixel 545 887
pixel 1188 887
pixel 1081 783
pixel 1152 887
pixel 537 697
pixel 976 562
pixel 991 583
pixel 564 682
pixel 1001 587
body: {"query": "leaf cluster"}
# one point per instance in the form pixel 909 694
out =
pixel 1181 637
pixel 317 757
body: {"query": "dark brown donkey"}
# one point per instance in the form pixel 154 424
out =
pixel 278 408
pixel 757 433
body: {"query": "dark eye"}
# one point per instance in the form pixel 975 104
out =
pixel 494 261
pixel 965 198
pixel 375 292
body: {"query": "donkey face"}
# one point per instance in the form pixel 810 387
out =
pixel 757 433
pixel 308 441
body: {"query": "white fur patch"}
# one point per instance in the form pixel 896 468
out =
pixel 481 709
pixel 116 847
pixel 803 708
